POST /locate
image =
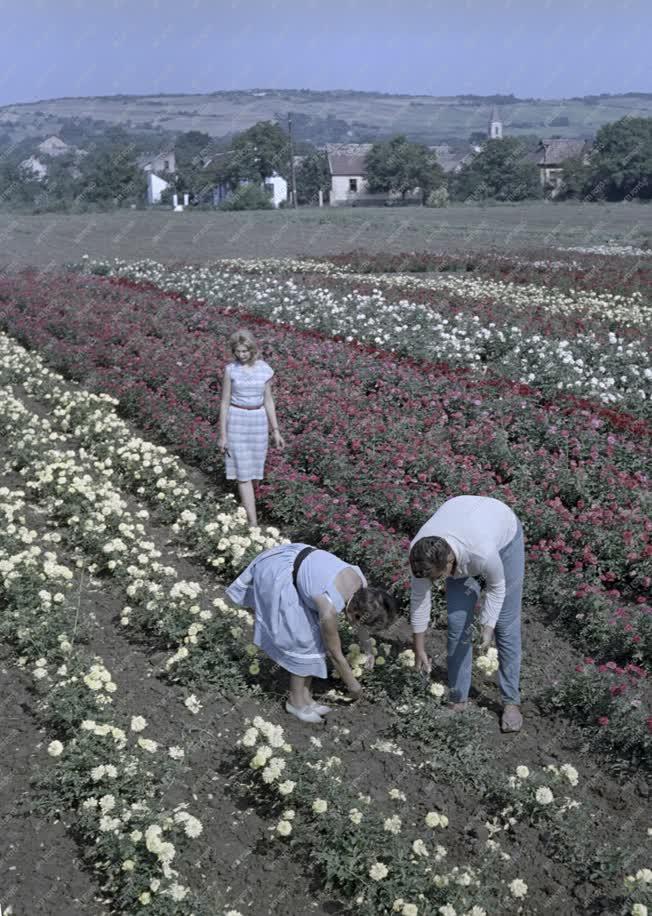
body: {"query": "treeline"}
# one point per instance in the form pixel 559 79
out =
pixel 101 169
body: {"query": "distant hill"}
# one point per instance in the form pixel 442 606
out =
pixel 321 117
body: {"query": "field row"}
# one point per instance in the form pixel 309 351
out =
pixel 323 811
pixel 570 477
pixel 511 332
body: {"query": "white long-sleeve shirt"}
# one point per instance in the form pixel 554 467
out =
pixel 476 528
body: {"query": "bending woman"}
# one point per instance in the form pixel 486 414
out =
pixel 297 593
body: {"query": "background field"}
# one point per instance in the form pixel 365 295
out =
pixel 52 239
pixel 335 116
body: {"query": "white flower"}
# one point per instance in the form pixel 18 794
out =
pixel 410 909
pixel 193 704
pixel 437 690
pixel 378 871
pixel 518 888
pixel 488 663
pixel 287 787
pixel 570 773
pixel 250 737
pixel 176 753
pixel 148 745
pixel 522 772
pixel 544 796
pixel 355 815
pixel 407 658
pixel 284 828
pixel 319 806
pixel 447 910
pixel 434 819
pixel 393 824
pixel 419 848
pixel 138 723
pixel 55 748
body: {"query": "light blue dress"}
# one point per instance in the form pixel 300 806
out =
pixel 286 619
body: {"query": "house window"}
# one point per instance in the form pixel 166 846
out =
pixel 353 184
pixel 166 165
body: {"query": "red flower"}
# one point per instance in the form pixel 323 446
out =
pixel 604 720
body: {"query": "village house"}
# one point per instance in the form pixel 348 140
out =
pixel 551 156
pixel 155 165
pixel 50 148
pixel 158 162
pixel 346 162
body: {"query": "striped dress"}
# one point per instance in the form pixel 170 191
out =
pixel 247 431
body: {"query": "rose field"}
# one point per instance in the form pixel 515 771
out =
pixel 149 764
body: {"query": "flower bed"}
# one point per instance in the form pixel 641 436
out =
pixel 572 475
pixel 592 360
pixel 108 778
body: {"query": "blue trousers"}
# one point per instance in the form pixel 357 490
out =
pixel 461 598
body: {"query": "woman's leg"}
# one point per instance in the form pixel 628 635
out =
pixel 248 500
pixel 307 691
pixel 508 626
pixel 461 599
pixel 299 687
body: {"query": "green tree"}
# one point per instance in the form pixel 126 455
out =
pixel 313 176
pixel 400 166
pixel 112 177
pixel 499 172
pixel 257 153
pixel 247 197
pixel 621 164
pixel 576 181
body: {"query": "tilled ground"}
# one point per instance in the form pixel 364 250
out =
pixel 235 861
pixel 48 240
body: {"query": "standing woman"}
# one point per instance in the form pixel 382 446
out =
pixel 247 412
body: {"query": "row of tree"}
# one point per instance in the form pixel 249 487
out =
pixel 619 167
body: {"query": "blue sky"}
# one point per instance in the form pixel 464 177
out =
pixel 540 48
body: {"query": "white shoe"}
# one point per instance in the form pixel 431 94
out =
pixel 303 713
pixel 320 709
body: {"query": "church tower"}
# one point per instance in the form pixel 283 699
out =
pixel 495 131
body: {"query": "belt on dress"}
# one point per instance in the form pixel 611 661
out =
pixel 298 560
pixel 242 406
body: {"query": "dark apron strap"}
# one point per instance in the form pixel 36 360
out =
pixel 300 557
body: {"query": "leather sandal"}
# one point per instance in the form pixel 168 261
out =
pixel 303 713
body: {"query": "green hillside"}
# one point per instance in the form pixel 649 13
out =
pixel 335 116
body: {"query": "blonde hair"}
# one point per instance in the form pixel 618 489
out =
pixel 244 338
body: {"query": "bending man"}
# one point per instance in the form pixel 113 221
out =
pixel 472 536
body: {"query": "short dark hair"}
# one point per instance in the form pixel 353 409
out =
pixel 375 608
pixel 429 556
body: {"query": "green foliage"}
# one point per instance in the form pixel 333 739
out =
pixel 621 165
pixel 400 166
pixel 247 197
pixel 111 177
pixel 257 153
pixel 499 172
pixel 312 176
pixel 576 182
